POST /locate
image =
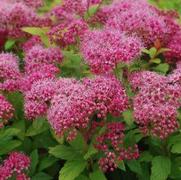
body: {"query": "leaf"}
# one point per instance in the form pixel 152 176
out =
pixel 78 143
pixel 91 151
pixel 34 161
pixel 156 61
pixel 176 148
pixel 41 176
pixel 145 157
pixel 161 167
pixel 162 68
pixel 72 169
pixel 36 30
pixel 97 175
pixel 42 32
pixel 9 44
pixel 162 50
pixel 6 133
pixel 46 162
pixel 135 166
pixel 9 146
pixel 128 117
pixel 38 126
pixel 20 125
pixel 64 152
pixel 121 165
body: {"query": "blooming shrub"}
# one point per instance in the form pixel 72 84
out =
pixel 89 90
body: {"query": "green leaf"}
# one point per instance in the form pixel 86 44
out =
pixel 38 126
pixel 9 146
pixel 162 50
pixel 161 167
pixel 9 44
pixel 64 152
pixel 176 148
pixel 41 176
pixel 121 165
pixel 46 162
pixel 34 161
pixel 72 169
pixel 20 125
pixel 78 143
pixel 128 117
pixel 91 151
pixel 152 52
pixel 162 68
pixel 7 133
pixel 36 30
pixel 97 175
pixel 135 166
pixel 42 32
pixel 145 157
pixel 156 61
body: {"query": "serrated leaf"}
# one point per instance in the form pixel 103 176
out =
pixel 38 126
pixel 91 151
pixel 161 167
pixel 121 165
pixel 9 146
pixel 9 44
pixel 97 175
pixel 145 157
pixel 46 162
pixel 36 30
pixel 135 166
pixel 82 177
pixel 78 143
pixel 64 152
pixel 34 161
pixel 162 68
pixel 9 132
pixel 152 52
pixel 72 169
pixel 176 148
pixel 128 117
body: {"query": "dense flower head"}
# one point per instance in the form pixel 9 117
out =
pixel 38 56
pixel 103 49
pixel 67 32
pixel 16 15
pixel 6 111
pixel 111 142
pixel 174 54
pixel 16 163
pixel 32 41
pixel 71 107
pixel 109 95
pixel 9 72
pixel 140 18
pixel 76 102
pixel 38 97
pixel 155 107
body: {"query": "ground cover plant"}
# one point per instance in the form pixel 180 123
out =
pixel 90 90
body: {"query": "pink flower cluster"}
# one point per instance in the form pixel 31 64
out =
pixel 17 14
pixel 111 142
pixel 6 111
pixel 9 72
pixel 75 103
pixel 156 104
pixel 40 63
pixel 15 165
pixel 104 49
pixel 38 97
pixel 68 32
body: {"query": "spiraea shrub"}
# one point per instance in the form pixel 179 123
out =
pixel 90 90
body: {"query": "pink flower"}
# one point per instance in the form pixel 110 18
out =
pixel 103 49
pixel 67 32
pixel 15 163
